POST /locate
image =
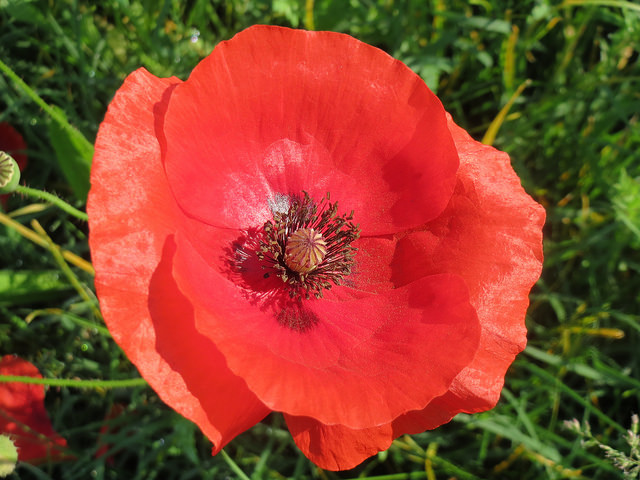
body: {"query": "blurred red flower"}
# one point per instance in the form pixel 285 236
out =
pixel 23 416
pixel 215 245
pixel 12 143
pixel 107 429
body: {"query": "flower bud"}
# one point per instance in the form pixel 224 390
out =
pixel 9 173
pixel 8 456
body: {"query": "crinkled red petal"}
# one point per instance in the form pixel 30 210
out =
pixel 280 111
pixel 132 219
pixel 23 416
pixel 336 447
pixel 351 358
pixel 491 235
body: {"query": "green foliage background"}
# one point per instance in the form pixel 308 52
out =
pixel 571 72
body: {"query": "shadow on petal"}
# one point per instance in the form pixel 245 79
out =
pixel 229 405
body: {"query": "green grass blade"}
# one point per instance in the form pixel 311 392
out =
pixel 73 151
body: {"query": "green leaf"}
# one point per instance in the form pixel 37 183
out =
pixel 31 286
pixel 74 154
pixel 73 150
pixel 504 426
pixel 626 204
pixel 23 11
pixel 288 9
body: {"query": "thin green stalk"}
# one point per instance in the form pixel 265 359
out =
pixel 399 476
pixel 64 266
pixel 65 382
pixel 601 3
pixel 58 312
pixel 571 393
pixel 258 471
pixel 38 240
pixel 58 117
pixel 497 122
pixel 309 23
pixel 300 464
pixel 452 469
pixel 52 199
pixel 233 465
pixel 84 323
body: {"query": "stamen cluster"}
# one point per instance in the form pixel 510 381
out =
pixel 322 230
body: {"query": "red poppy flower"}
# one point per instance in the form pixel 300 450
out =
pixel 238 287
pixel 12 143
pixel 23 416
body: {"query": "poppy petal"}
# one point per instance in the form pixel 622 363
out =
pixel 373 264
pixel 23 416
pixel 258 118
pixel 336 447
pixel 491 235
pixel 223 398
pixel 426 332
pixel 132 216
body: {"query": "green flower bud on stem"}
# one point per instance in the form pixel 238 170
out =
pixel 8 456
pixel 9 173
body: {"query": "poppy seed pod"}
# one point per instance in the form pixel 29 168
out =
pixel 9 173
pixel 12 145
pixel 8 456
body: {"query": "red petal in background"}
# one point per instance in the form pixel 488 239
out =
pixel 12 143
pixel 132 217
pixel 115 411
pixel 23 416
pixel 279 111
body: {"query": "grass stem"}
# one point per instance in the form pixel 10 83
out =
pixel 29 234
pixel 52 199
pixel 64 382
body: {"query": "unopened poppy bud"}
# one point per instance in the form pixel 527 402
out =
pixel 9 173
pixel 8 456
